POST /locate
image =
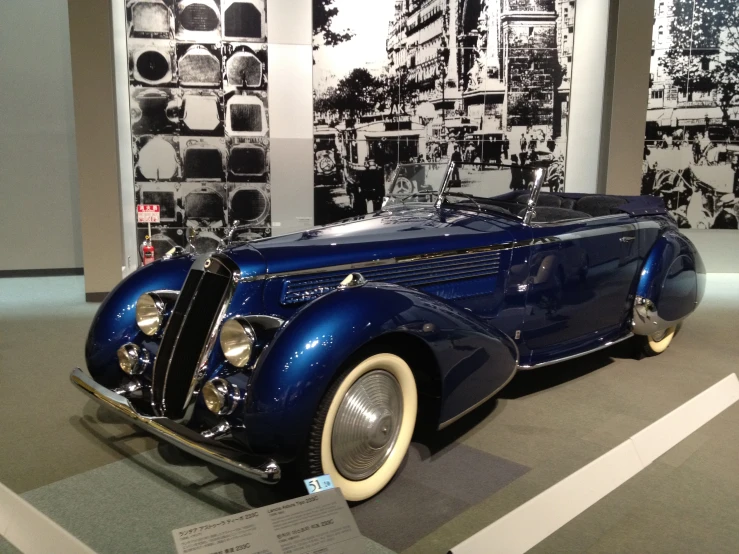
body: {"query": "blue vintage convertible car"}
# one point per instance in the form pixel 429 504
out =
pixel 324 348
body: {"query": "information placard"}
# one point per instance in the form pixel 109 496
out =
pixel 148 213
pixel 310 524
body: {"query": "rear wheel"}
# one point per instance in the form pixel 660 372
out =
pixel 656 343
pixel 364 426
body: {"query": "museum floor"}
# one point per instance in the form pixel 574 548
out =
pixel 121 491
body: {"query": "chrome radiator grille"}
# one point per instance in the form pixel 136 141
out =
pixel 186 338
pixel 415 274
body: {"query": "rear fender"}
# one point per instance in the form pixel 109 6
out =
pixel 472 359
pixel 670 286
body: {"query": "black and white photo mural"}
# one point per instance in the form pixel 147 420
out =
pixel 199 117
pixel 691 148
pixel 396 81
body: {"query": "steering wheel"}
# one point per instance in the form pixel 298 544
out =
pixel 402 185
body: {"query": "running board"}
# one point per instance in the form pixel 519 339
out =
pixel 573 356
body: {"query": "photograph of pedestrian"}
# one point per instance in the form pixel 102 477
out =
pixel 477 81
pixel 691 146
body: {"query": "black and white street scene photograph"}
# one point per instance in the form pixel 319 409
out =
pixel 691 147
pixel 199 116
pixel 475 81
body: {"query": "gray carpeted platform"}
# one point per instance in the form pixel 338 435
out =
pixel 121 491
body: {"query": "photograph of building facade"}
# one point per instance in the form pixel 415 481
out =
pixel 488 79
pixel 691 150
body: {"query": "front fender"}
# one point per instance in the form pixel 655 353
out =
pixel 473 360
pixel 115 321
pixel 671 284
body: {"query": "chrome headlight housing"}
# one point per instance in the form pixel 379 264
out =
pixel 215 393
pixel 237 341
pixel 221 397
pixel 150 313
pixel 132 359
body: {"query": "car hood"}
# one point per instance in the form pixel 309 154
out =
pixel 394 233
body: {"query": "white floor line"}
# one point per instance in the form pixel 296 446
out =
pixel 32 532
pixel 532 522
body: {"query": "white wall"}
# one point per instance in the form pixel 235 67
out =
pixel 39 202
pixel 587 91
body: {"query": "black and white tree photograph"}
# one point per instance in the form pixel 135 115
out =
pixel 199 117
pixel 691 148
pixel 478 81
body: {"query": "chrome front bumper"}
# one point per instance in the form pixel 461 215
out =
pixel 264 470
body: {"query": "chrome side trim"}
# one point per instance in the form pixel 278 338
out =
pixel 387 261
pixel 627 227
pixel 573 356
pixel 263 470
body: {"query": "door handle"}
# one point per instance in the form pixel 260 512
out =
pixel 627 239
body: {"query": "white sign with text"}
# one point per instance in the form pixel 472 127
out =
pixel 310 524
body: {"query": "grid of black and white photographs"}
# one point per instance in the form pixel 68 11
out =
pixel 199 118
pixel 691 148
pixel 480 81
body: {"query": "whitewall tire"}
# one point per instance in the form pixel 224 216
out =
pixel 364 425
pixel 657 343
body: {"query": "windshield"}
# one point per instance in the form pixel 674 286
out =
pixel 481 186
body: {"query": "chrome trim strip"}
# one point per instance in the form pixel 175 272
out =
pixel 626 227
pixel 573 356
pixel 387 261
pixel 267 471
pixel 545 224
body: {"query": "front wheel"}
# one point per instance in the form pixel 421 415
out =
pixel 364 426
pixel 656 343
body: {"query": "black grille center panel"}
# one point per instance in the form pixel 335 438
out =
pixel 187 335
pixel 171 333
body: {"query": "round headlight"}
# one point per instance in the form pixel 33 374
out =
pixel 128 358
pixel 149 314
pixel 214 395
pixel 237 341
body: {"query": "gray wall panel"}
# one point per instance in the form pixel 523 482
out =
pixel 292 185
pixel 289 21
pixel 39 210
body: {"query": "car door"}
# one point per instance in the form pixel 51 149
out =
pixel 580 276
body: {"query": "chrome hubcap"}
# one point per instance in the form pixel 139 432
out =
pixel 367 425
